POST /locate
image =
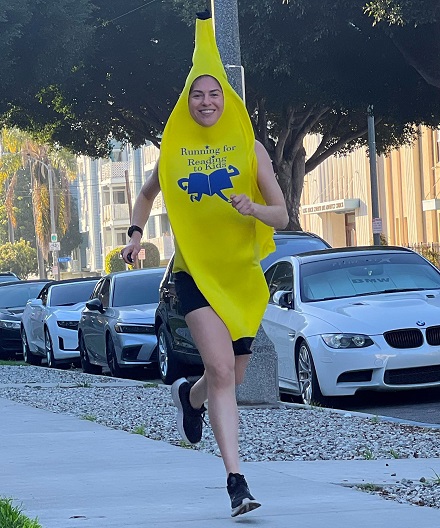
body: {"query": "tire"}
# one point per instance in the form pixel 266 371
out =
pixel 48 346
pixel 115 370
pixel 170 368
pixel 86 366
pixel 308 381
pixel 28 356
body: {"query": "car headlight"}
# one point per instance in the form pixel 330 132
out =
pixel 10 325
pixel 134 329
pixel 71 325
pixel 347 340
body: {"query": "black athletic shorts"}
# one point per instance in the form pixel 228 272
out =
pixel 191 298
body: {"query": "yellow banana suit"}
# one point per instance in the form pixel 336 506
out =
pixel 199 168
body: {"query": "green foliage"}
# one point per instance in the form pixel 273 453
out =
pixel 12 516
pixel 113 261
pixel 401 12
pixel 152 255
pixel 19 257
pixel 430 254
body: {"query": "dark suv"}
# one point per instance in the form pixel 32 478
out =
pixel 178 355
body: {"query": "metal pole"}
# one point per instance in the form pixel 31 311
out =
pixel 225 15
pixel 373 172
pixel 52 219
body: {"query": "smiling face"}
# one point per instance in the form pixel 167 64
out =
pixel 206 101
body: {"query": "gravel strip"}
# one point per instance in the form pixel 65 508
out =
pixel 281 434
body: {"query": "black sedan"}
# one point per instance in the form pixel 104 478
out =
pixel 13 298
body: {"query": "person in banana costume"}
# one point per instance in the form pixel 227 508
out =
pixel 223 202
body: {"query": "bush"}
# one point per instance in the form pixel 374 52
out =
pixel 113 261
pixel 152 255
pixel 19 258
pixel 12 517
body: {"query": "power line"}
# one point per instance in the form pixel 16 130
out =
pixel 128 13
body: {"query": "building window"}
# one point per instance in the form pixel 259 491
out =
pixel 165 228
pixel 121 238
pixel 151 226
pixel 119 197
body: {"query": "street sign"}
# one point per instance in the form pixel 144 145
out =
pixel 64 259
pixel 55 271
pixel 54 246
pixel 141 254
pixel 54 237
pixel 377 226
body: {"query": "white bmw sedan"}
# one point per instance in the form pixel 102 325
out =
pixel 348 319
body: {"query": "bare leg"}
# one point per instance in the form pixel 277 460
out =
pixel 214 343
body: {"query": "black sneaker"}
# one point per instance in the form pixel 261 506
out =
pixel 189 420
pixel 242 500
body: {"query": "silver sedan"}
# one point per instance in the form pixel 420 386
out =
pixel 116 328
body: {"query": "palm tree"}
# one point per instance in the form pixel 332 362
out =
pixel 21 151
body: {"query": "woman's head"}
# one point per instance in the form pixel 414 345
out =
pixel 205 100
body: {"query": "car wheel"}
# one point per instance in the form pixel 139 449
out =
pixel 170 367
pixel 86 366
pixel 115 370
pixel 51 361
pixel 308 381
pixel 28 356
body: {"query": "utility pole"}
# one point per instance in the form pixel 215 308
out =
pixel 56 264
pixel 376 220
pixel 227 35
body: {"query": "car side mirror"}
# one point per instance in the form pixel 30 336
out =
pixel 95 305
pixel 283 298
pixel 36 302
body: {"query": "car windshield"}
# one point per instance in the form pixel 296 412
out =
pixel 17 295
pixel 293 246
pixel 136 288
pixel 71 293
pixel 369 274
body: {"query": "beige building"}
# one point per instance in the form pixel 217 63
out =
pixel 336 200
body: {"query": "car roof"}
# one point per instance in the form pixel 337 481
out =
pixel 20 282
pixel 71 281
pixel 142 270
pixel 326 254
pixel 279 235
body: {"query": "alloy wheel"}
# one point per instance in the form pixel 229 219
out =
pixel 305 374
pixel 163 354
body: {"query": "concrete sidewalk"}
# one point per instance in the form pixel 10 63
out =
pixel 74 473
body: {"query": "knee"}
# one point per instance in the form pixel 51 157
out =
pixel 220 375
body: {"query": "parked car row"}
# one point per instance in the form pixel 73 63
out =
pixel 341 320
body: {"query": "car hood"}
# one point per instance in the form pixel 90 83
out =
pixel 140 313
pixel 379 313
pixel 69 313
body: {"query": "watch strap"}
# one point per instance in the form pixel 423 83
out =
pixel 134 228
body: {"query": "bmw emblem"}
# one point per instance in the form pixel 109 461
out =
pixel 420 323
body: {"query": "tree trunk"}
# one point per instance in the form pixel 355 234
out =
pixel 291 179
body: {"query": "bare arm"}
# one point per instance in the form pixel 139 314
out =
pixel 141 212
pixel 274 213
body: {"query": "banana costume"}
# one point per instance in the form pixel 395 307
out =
pixel 199 168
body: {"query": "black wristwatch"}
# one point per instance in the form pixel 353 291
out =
pixel 134 228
